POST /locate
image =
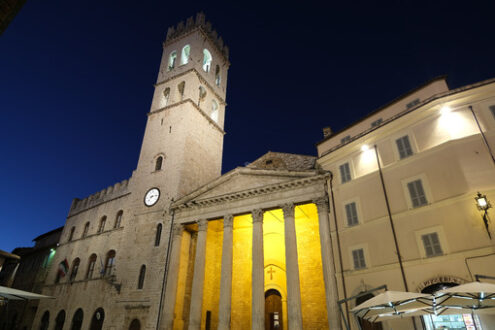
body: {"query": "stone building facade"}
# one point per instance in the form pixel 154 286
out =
pixel 268 245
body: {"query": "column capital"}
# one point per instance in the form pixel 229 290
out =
pixel 288 209
pixel 257 215
pixel 321 203
pixel 178 229
pixel 202 225
pixel 228 220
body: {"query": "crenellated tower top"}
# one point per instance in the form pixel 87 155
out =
pixel 181 29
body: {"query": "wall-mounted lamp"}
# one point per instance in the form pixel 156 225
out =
pixel 445 110
pixel 483 205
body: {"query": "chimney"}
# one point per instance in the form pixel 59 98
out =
pixel 327 131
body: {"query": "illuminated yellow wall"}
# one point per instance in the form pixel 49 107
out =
pixel 274 255
pixel 310 270
pixel 213 268
pixel 184 280
pixel 241 272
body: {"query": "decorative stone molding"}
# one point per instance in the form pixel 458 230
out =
pixel 228 221
pixel 288 209
pixel 244 194
pixel 202 225
pixel 257 215
pixel 322 204
pixel 178 229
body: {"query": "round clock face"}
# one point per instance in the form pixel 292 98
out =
pixel 151 197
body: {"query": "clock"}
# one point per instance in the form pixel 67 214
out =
pixel 151 197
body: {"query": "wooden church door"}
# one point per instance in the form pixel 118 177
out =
pixel 273 310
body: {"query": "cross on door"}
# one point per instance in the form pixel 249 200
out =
pixel 271 271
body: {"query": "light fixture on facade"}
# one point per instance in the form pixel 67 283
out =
pixel 483 205
pixel 365 148
pixel 445 110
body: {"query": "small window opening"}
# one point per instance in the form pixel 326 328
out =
pixel 181 87
pixel 166 96
pixel 214 111
pixel 184 56
pixel 217 75
pixel 206 60
pixel 158 164
pixel 171 60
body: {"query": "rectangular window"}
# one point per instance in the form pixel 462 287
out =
pixel 345 173
pixel 358 257
pixel 412 103
pixel 377 122
pixel 492 109
pixel 432 245
pixel 417 193
pixel 345 139
pixel 351 213
pixel 404 147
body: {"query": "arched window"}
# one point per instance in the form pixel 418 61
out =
pixel 217 75
pixel 214 111
pixel 103 220
pixel 91 266
pixel 45 321
pixel 171 60
pixel 158 235
pixel 158 163
pixel 97 320
pixel 71 235
pixel 206 60
pixel 77 320
pixel 202 94
pixel 75 268
pixel 166 96
pixel 142 274
pixel 118 219
pixel 135 325
pixel 181 87
pixel 184 55
pixel 86 229
pixel 60 320
pixel 109 263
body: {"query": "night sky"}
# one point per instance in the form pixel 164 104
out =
pixel 76 81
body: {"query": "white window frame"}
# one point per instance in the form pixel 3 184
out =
pixel 426 188
pixel 358 211
pixel 367 262
pixel 441 237
pixel 351 171
pixel 412 141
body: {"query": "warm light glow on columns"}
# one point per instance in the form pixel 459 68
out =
pixel 172 278
pixel 226 275
pixel 258 273
pixel 198 278
pixel 292 269
pixel 328 264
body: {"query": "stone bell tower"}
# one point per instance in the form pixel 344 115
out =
pixel 183 141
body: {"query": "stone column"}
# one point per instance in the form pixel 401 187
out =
pixel 172 277
pixel 292 269
pixel 226 275
pixel 198 278
pixel 258 273
pixel 328 264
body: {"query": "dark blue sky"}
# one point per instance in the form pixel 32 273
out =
pixel 76 83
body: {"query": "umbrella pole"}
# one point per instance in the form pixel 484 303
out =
pixel 474 321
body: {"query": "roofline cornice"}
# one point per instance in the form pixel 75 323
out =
pixel 310 178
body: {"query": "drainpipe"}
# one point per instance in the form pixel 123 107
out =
pixel 392 225
pixel 165 272
pixel 482 135
pixel 338 243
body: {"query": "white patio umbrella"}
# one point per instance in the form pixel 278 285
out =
pixel 472 296
pixel 392 302
pixel 14 294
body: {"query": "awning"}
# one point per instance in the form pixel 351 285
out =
pixel 14 294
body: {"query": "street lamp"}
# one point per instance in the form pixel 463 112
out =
pixel 483 205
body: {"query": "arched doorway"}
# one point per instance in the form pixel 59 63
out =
pixel 135 325
pixel 60 320
pixel 366 325
pixel 77 320
pixel 97 320
pixel 273 310
pixel 45 321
